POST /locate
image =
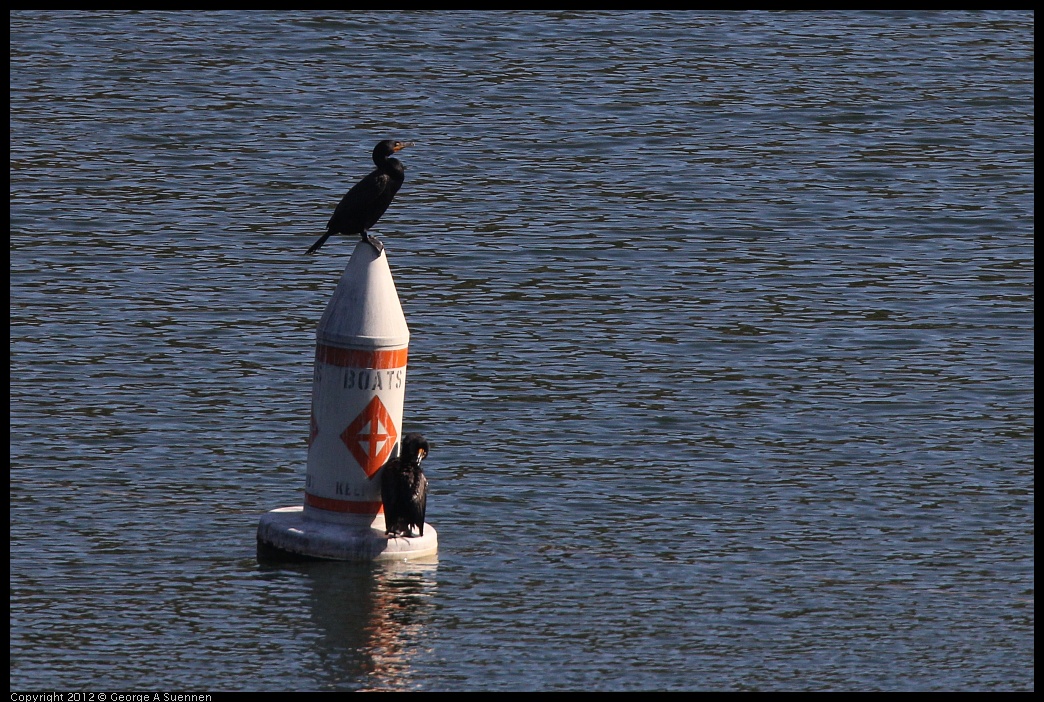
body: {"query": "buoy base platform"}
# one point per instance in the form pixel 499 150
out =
pixel 285 534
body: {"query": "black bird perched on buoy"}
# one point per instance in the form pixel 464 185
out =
pixel 404 489
pixel 368 199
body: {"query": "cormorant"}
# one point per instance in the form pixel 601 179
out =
pixel 368 199
pixel 404 489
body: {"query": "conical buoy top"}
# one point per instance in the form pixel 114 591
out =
pixel 364 312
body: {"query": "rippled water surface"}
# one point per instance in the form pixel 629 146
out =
pixel 721 333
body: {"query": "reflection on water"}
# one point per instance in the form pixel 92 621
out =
pixel 372 618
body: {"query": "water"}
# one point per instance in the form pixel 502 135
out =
pixel 721 333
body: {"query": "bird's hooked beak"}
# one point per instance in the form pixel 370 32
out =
pixel 400 145
pixel 421 454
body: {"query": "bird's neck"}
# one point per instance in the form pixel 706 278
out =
pixel 389 165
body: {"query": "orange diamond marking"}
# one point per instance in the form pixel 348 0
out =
pixel 371 437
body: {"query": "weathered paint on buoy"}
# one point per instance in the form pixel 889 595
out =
pixel 358 393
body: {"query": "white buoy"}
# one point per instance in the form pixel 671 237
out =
pixel 358 393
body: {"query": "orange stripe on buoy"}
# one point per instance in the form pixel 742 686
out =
pixel 331 505
pixel 356 358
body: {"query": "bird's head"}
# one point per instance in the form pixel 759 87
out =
pixel 388 147
pixel 414 447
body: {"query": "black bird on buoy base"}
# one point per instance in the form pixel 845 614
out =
pixel 368 199
pixel 404 489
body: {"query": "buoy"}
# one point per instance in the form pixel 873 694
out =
pixel 358 393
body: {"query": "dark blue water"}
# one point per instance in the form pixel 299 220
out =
pixel 722 334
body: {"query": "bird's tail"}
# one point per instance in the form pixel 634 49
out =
pixel 316 245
